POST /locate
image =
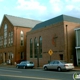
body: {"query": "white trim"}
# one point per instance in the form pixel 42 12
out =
pixel 77 57
pixel 76 28
pixel 77 47
pixel 76 38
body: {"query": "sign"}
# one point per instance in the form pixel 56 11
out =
pixel 50 52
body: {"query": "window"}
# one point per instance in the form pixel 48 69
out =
pixel 5 35
pixel 11 34
pixel 35 47
pixel 1 41
pixel 0 56
pixel 61 56
pixel 40 47
pixel 31 48
pixel 10 54
pixel 5 27
pixel 22 38
pixel 10 42
pixel 22 55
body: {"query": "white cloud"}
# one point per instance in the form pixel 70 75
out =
pixel 46 9
pixel 67 0
pixel 1 0
pixel 75 0
pixel 72 1
pixel 70 7
pixel 59 6
pixel 54 1
pixel 56 5
pixel 30 5
pixel 6 8
pixel 73 4
pixel 40 9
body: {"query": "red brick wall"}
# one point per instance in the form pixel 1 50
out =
pixel 71 40
pixel 16 48
pixel 47 34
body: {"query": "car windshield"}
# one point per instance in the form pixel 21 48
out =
pixel 63 62
pixel 31 62
pixel 21 63
pixel 26 62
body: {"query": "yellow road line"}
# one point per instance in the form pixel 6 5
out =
pixel 28 77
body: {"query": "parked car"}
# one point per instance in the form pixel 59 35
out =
pixel 59 65
pixel 25 64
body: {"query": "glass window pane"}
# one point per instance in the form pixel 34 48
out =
pixel 40 47
pixel 22 38
pixel 31 48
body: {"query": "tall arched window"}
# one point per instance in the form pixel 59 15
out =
pixel 5 35
pixel 31 48
pixel 35 47
pixel 5 27
pixel 40 47
pixel 10 38
pixel 22 38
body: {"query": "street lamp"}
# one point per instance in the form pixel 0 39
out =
pixel 37 54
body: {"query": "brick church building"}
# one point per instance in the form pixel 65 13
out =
pixel 40 42
pixel 13 38
pixel 53 39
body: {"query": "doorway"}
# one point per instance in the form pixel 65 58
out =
pixel 4 57
pixel 61 56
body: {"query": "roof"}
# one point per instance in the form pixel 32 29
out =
pixel 56 20
pixel 77 29
pixel 23 22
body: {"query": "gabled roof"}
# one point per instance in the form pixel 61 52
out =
pixel 23 22
pixel 56 20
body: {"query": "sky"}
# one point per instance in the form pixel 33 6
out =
pixel 39 9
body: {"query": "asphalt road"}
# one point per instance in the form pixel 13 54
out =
pixel 34 74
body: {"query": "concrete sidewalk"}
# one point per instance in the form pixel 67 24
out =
pixel 76 68
pixel 5 65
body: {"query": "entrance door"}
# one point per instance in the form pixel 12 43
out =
pixel 78 56
pixel 4 57
pixel 61 56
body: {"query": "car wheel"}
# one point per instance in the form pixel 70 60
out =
pixel 31 67
pixel 17 67
pixel 45 68
pixel 24 67
pixel 59 69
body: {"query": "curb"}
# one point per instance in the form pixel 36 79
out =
pixel 7 65
pixel 14 66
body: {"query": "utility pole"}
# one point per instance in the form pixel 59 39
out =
pixel 67 41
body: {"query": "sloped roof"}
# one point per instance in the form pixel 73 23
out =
pixel 23 22
pixel 56 20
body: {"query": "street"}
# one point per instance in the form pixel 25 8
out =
pixel 34 74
